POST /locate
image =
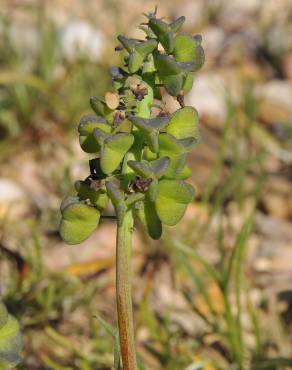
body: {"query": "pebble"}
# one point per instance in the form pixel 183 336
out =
pixel 10 191
pixel 12 199
pixel 276 198
pixel 80 38
pixel 208 96
pixel 194 11
pixel 277 91
pixel 213 42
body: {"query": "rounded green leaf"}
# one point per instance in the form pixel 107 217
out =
pixel 173 84
pixel 188 49
pixel 146 213
pixel 10 343
pixel 170 147
pixel 113 151
pixel 184 48
pixel 78 222
pixel 166 65
pixel 86 127
pixel 184 123
pixel 172 199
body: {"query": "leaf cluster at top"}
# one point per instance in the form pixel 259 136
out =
pixel 139 156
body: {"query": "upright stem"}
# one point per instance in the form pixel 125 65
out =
pixel 124 293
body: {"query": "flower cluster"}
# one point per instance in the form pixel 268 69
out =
pixel 140 157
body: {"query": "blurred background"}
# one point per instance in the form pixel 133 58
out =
pixel 216 291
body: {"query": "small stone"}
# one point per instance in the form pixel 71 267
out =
pixel 213 41
pixel 194 10
pixel 277 91
pixel 79 38
pixel 12 199
pixel 276 198
pixel 10 191
pixel 208 96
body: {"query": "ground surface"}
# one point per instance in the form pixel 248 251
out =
pixel 215 292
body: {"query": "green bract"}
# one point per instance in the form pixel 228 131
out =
pixel 10 340
pixel 188 49
pixel 140 150
pixel 172 199
pixel 112 149
pixel 79 220
pixel 86 126
pixel 184 123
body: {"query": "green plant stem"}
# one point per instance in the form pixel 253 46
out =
pixel 124 293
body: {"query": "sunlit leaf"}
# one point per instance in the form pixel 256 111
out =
pixel 184 123
pixel 86 126
pixel 78 222
pixel 113 150
pixel 172 199
pixel 188 49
